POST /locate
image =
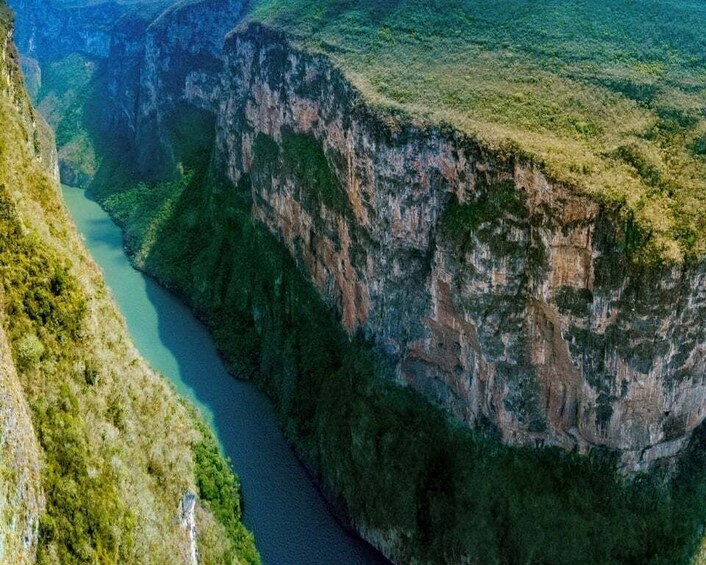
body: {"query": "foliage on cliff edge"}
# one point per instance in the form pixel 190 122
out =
pixel 608 96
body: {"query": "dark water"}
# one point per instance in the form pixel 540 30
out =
pixel 287 514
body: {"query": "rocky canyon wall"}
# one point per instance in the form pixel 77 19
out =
pixel 497 293
pixel 505 297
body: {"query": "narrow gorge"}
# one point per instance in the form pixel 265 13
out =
pixel 98 451
pixel 475 357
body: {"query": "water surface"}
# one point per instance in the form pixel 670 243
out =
pixel 282 508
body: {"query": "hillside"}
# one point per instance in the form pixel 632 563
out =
pixel 608 96
pixel 101 450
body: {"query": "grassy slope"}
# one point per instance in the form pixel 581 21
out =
pixel 608 95
pixel 119 447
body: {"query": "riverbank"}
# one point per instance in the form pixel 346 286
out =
pixel 285 511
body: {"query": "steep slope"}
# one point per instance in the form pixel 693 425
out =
pixel 533 311
pixel 496 292
pixel 21 498
pixel 102 471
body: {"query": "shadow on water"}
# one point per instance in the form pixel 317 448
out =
pixel 283 508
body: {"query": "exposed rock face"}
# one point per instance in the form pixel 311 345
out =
pixel 46 31
pixel 501 295
pixel 21 496
pixel 188 523
pixel 158 56
pixel 159 59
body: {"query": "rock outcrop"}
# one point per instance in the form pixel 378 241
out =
pixel 499 294
pixel 506 297
pixel 21 497
pixel 188 523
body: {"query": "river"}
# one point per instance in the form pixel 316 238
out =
pixel 282 507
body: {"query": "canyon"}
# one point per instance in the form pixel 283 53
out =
pixel 511 299
pixel 98 451
pixel 531 318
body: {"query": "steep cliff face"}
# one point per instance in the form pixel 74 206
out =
pixel 45 33
pixel 158 55
pixel 159 62
pixel 21 496
pixel 499 294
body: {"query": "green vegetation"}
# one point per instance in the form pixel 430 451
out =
pixel 575 301
pixel 6 17
pixel 119 449
pixel 607 96
pixel 66 88
pixel 219 491
pixel 303 158
pixel 481 217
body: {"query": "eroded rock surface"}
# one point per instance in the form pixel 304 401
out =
pixel 505 297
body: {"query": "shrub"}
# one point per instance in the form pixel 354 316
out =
pixel 29 350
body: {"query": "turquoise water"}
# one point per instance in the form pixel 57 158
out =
pixel 282 507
